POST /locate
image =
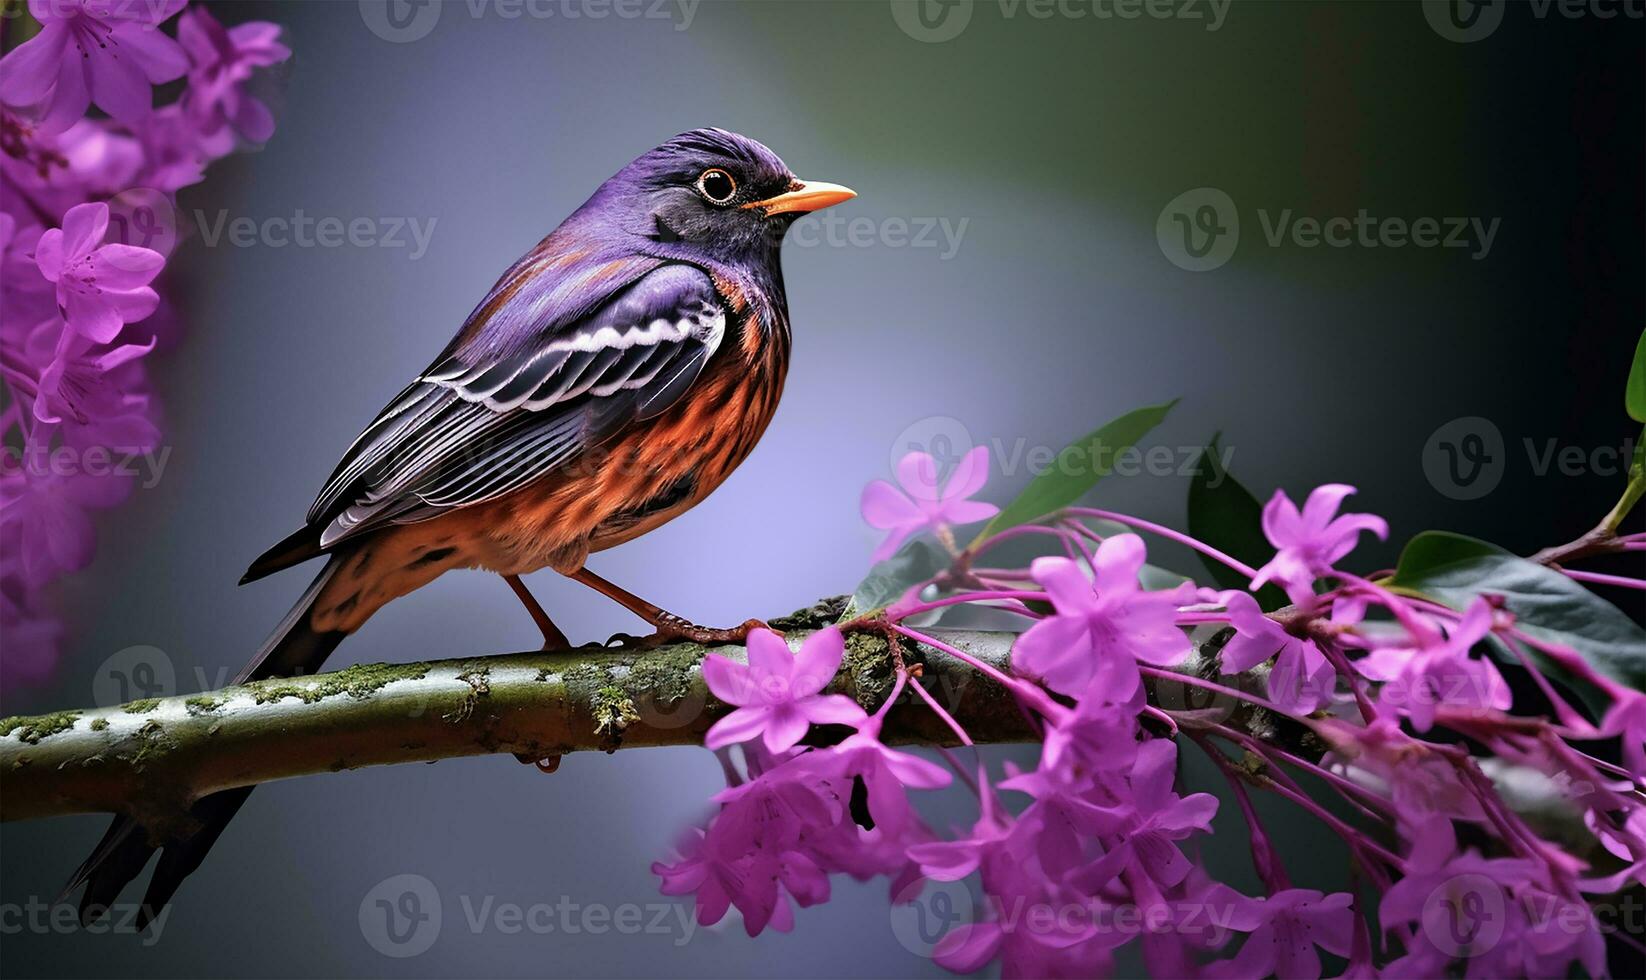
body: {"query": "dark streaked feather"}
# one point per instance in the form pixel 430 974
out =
pixel 487 420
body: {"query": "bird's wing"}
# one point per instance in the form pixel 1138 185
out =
pixel 504 407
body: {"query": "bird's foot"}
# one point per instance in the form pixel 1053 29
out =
pixel 673 629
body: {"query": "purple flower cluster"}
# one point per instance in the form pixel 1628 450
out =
pixel 85 229
pixel 1096 848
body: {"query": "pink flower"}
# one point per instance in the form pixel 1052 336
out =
pixel 32 638
pixel 1107 623
pixel 1439 671
pixel 100 288
pixel 1285 929
pixel 1422 784
pixel 1301 679
pixel 1499 915
pixel 1313 541
pixel 105 51
pixel 44 520
pixel 75 386
pixel 1156 817
pixel 778 693
pixel 921 504
pixel 223 59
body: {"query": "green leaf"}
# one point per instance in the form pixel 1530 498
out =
pixel 1223 514
pixel 915 562
pixel 1077 468
pixel 1634 397
pixel 1452 569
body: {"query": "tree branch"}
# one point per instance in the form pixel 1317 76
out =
pixel 152 758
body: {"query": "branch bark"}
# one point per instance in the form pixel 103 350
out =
pixel 152 758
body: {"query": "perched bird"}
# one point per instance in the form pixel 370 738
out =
pixel 611 379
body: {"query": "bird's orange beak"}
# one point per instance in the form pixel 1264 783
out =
pixel 810 195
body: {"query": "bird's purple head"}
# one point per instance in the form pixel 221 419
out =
pixel 709 190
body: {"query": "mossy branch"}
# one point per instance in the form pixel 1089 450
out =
pixel 151 759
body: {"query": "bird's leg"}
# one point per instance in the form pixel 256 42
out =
pixel 553 639
pixel 669 626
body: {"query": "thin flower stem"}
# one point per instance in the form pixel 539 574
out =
pixel 1568 658
pixel 1596 578
pixel 1269 753
pixel 1072 543
pixel 1198 618
pixel 1399 606
pixel 1167 533
pixel 1024 691
pixel 1011 533
pixel 1216 688
pixel 960 770
pixel 964 597
pixel 1343 784
pixel 1346 670
pixel 1165 717
pixel 891 699
pixel 1264 858
pixel 1354 838
pixel 937 709
pixel 1563 709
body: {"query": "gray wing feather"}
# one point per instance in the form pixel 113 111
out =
pixel 465 433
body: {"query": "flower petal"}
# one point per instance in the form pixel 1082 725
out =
pixel 1063 580
pixel 884 506
pixel 83 228
pixel 160 58
pixel 28 71
pixel 769 660
pixel 785 726
pixel 728 680
pixel 832 709
pixel 739 726
pixel 969 474
pixel 917 474
pixel 818 661
pixel 1119 559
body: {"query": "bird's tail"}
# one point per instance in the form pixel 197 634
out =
pixel 293 648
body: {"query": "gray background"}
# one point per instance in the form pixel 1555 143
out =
pixel 1058 142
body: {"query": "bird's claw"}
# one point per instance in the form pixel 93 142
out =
pixel 673 628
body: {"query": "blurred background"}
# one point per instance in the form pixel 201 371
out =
pixel 1064 213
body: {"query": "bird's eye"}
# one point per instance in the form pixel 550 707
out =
pixel 717 185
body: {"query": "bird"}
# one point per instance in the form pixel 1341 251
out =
pixel 613 377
